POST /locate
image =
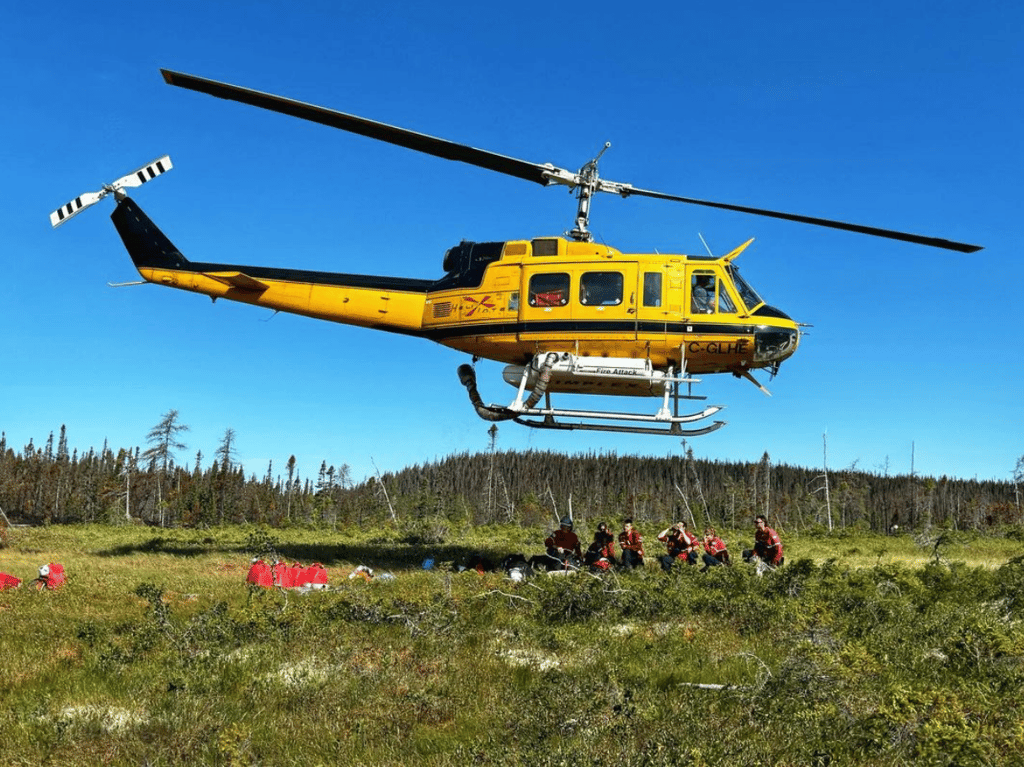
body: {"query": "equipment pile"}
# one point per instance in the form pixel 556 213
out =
pixel 286 576
pixel 51 577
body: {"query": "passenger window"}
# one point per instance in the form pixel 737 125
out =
pixel 549 289
pixel 652 288
pixel 601 289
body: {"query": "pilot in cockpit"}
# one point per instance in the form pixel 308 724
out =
pixel 702 294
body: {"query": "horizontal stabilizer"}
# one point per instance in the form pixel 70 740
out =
pixel 133 179
pixel 238 280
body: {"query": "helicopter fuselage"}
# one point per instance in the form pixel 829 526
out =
pixel 509 301
pixel 591 300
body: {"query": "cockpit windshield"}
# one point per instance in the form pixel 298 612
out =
pixel 747 293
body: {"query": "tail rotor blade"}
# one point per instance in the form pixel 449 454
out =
pixel 135 178
pixel 76 206
pixel 145 173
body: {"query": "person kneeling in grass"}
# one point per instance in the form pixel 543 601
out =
pixel 767 544
pixel 681 545
pixel 715 551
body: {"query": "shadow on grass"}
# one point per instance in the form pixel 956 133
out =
pixel 385 554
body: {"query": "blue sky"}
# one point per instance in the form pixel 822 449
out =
pixel 900 115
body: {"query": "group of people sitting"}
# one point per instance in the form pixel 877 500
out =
pixel 564 551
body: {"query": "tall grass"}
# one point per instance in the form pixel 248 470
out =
pixel 862 649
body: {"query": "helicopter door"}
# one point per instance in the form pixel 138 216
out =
pixel 655 291
pixel 709 295
pixel 604 309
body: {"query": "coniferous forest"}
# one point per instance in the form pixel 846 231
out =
pixel 54 484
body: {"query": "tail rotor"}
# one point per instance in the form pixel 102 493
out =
pixel 133 179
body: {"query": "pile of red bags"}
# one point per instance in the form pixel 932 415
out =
pixel 286 576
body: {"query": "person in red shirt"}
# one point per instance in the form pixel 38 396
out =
pixel 563 547
pixel 767 544
pixel 715 551
pixel 632 545
pixel 601 553
pixel 681 544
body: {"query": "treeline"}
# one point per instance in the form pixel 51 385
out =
pixel 53 485
pixel 537 487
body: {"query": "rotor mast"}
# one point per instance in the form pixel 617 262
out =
pixel 587 182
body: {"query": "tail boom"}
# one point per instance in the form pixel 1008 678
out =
pixel 382 303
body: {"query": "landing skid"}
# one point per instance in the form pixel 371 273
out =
pixel 553 370
pixel 671 430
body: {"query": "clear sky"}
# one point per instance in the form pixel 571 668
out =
pixel 901 115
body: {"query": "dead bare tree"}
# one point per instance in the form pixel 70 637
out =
pixel 766 467
pixel 384 490
pixel 824 478
pixel 691 465
pixel 490 501
pixel 686 505
pixel 509 506
pixel 1018 480
pixel 554 506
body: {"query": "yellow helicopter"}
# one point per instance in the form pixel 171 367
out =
pixel 566 314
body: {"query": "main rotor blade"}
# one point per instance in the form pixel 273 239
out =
pixel 544 175
pixel 891 234
pixel 420 142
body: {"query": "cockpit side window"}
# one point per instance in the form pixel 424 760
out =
pixel 601 288
pixel 549 289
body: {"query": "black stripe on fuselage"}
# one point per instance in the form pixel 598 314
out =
pixel 584 326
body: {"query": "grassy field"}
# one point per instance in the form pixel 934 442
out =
pixel 862 650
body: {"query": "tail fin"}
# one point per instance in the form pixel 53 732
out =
pixel 146 244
